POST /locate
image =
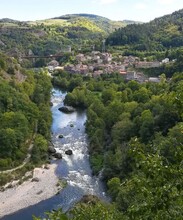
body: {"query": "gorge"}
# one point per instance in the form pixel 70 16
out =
pixel 74 169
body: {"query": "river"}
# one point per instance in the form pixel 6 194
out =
pixel 74 169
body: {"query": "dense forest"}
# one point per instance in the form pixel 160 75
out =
pixel 135 134
pixel 162 33
pixel 24 113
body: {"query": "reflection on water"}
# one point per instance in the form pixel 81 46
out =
pixel 75 169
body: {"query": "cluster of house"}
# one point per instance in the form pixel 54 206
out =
pixel 97 63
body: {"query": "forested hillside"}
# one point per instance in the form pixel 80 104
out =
pixel 160 34
pixel 24 113
pixel 103 23
pixel 135 135
pixel 52 36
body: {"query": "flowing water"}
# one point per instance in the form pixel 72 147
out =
pixel 75 169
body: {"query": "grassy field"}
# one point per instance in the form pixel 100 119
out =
pixel 50 22
pixel 8 25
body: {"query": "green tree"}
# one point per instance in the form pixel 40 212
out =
pixel 108 95
pixel 39 151
pixel 147 123
pixel 114 187
pixel 8 142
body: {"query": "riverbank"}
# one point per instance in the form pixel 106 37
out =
pixel 43 185
pixel 73 169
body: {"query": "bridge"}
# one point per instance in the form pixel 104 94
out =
pixel 39 57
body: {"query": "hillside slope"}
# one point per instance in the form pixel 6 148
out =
pixel 159 34
pixel 50 36
pixel 103 23
pixel 46 37
pixel 24 105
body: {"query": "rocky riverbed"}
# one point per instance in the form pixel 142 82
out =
pixel 43 185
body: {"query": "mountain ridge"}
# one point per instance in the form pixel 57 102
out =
pixel 104 23
pixel 160 33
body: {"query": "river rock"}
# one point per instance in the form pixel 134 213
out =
pixel 66 109
pixel 50 158
pixel 51 103
pixel 58 155
pixel 51 150
pixel 35 179
pixel 61 136
pixel 71 125
pixel 39 192
pixel 68 152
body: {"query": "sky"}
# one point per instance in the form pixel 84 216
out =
pixel 138 10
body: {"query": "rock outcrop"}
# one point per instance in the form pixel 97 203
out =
pixel 51 150
pixel 61 136
pixel 67 109
pixel 68 152
pixel 58 155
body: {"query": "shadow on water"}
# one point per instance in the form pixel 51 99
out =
pixel 75 169
pixel 61 200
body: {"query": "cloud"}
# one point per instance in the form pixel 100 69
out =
pixel 140 6
pixel 166 2
pixel 105 2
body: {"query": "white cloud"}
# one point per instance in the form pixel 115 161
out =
pixel 105 2
pixel 166 2
pixel 140 6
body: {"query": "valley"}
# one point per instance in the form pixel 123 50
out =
pixel 118 153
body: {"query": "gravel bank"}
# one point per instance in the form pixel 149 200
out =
pixel 30 192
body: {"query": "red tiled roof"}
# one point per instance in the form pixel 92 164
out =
pixel 123 72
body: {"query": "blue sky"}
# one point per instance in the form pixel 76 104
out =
pixel 139 10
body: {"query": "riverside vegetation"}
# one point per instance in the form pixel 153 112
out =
pixel 135 130
pixel 136 134
pixel 24 111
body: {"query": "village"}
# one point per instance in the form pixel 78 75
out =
pixel 96 63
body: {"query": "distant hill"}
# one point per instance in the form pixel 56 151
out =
pixel 103 23
pixel 127 22
pixel 8 20
pixel 50 36
pixel 159 34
